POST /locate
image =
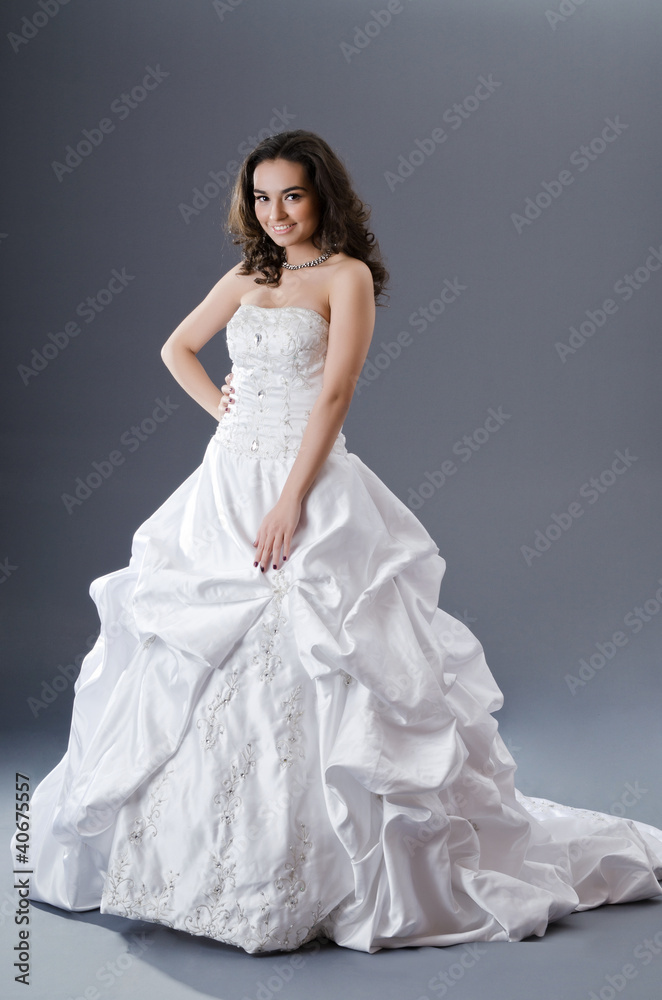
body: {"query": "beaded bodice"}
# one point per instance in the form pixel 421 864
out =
pixel 278 356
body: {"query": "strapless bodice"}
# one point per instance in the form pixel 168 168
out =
pixel 278 356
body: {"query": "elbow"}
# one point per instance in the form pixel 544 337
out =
pixel 166 352
pixel 169 353
pixel 338 399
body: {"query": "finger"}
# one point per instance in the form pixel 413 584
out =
pixel 287 541
pixel 275 552
pixel 262 551
pixel 268 554
pixel 271 553
pixel 256 554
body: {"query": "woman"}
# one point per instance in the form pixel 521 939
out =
pixel 279 735
pixel 285 205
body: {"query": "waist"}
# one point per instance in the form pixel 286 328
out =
pixel 269 421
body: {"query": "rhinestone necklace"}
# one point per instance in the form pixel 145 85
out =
pixel 309 263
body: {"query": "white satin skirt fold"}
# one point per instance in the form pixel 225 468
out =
pixel 265 758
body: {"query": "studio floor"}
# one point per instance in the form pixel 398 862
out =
pixel 613 951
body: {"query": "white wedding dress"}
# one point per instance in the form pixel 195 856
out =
pixel 266 758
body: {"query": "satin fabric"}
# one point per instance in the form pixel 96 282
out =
pixel 265 758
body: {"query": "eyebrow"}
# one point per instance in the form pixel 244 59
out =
pixel 296 187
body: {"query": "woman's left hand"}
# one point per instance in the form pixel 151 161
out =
pixel 275 533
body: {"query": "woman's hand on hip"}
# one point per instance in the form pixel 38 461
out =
pixel 227 396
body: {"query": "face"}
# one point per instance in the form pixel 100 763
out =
pixel 287 206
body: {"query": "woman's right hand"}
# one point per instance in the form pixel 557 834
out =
pixel 227 396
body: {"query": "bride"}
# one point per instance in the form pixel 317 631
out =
pixel 286 208
pixel 278 735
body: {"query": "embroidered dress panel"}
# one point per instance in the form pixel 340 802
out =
pixel 278 366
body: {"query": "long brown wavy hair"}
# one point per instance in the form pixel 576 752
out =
pixel 343 216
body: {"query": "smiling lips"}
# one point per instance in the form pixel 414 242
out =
pixel 282 229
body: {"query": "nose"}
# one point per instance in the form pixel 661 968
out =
pixel 277 212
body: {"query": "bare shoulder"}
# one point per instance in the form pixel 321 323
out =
pixel 232 286
pixel 234 278
pixel 350 276
pixel 222 300
pixel 351 286
pixel 346 265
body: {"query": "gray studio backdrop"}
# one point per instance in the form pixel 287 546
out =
pixel 510 152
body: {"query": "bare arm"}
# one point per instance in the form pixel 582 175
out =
pixel 350 332
pixel 180 349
